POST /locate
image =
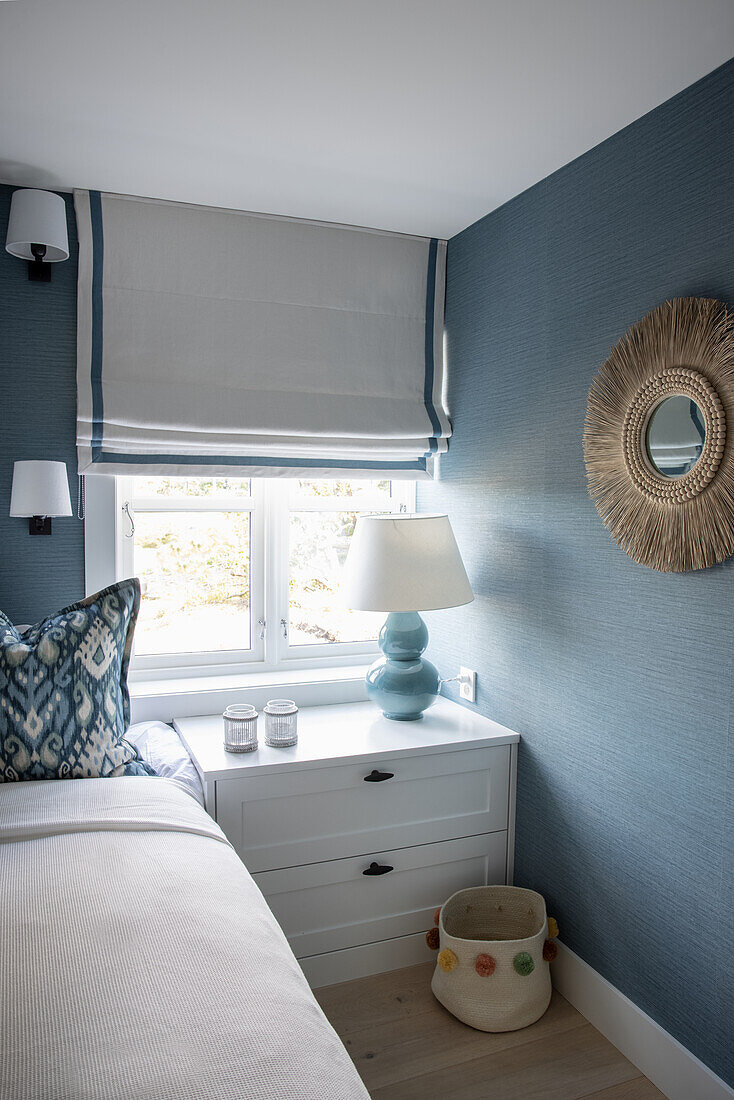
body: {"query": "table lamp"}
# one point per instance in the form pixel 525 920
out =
pixel 404 564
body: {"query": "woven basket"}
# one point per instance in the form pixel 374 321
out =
pixel 490 972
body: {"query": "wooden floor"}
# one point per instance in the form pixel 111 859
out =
pixel 407 1047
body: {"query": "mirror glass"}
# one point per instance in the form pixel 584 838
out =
pixel 675 436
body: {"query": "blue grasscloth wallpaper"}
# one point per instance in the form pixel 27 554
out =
pixel 38 575
pixel 618 678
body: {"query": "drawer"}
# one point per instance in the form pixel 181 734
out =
pixel 331 906
pixel 311 815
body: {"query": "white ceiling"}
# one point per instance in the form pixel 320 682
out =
pixel 413 115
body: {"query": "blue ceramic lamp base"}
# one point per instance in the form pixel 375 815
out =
pixel 401 682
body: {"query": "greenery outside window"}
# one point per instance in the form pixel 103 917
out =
pixel 237 570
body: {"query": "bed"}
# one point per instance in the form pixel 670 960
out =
pixel 139 960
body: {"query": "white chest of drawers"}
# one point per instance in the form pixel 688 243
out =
pixel 357 833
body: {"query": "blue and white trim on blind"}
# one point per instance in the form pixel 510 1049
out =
pixel 95 456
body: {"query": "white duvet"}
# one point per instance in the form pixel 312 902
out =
pixel 106 885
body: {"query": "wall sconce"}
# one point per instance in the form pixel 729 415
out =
pixel 37 231
pixel 40 490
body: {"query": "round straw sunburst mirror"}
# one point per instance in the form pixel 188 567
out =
pixel 659 437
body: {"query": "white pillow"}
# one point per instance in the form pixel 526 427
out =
pixel 162 748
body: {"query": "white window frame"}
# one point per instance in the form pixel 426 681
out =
pixel 108 557
pixel 227 660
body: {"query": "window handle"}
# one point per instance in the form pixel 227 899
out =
pixel 261 630
pixel 377 869
pixel 378 777
pixel 126 512
pixel 284 627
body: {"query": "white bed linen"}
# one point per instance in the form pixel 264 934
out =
pixel 105 886
pixel 162 748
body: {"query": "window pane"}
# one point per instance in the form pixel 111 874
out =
pixel 177 487
pixel 194 568
pixel 318 548
pixel 354 488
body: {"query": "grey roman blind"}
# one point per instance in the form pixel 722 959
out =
pixel 213 341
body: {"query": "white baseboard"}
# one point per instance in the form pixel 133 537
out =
pixel 665 1061
pixel 359 962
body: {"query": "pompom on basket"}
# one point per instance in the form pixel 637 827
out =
pixel 492 970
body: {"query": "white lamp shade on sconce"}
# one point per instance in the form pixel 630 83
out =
pixel 404 563
pixel 40 489
pixel 37 217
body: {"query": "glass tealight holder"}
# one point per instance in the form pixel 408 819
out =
pixel 240 728
pixel 281 720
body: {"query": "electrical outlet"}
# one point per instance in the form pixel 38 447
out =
pixel 468 684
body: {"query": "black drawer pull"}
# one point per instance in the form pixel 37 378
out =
pixel 378 777
pixel 377 869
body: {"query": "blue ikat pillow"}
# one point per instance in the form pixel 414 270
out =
pixel 64 703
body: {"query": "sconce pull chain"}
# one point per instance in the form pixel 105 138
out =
pixel 81 501
pixel 128 513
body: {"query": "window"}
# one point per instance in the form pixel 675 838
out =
pixel 240 570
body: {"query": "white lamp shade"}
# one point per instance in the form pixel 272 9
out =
pixel 404 563
pixel 40 489
pixel 37 217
